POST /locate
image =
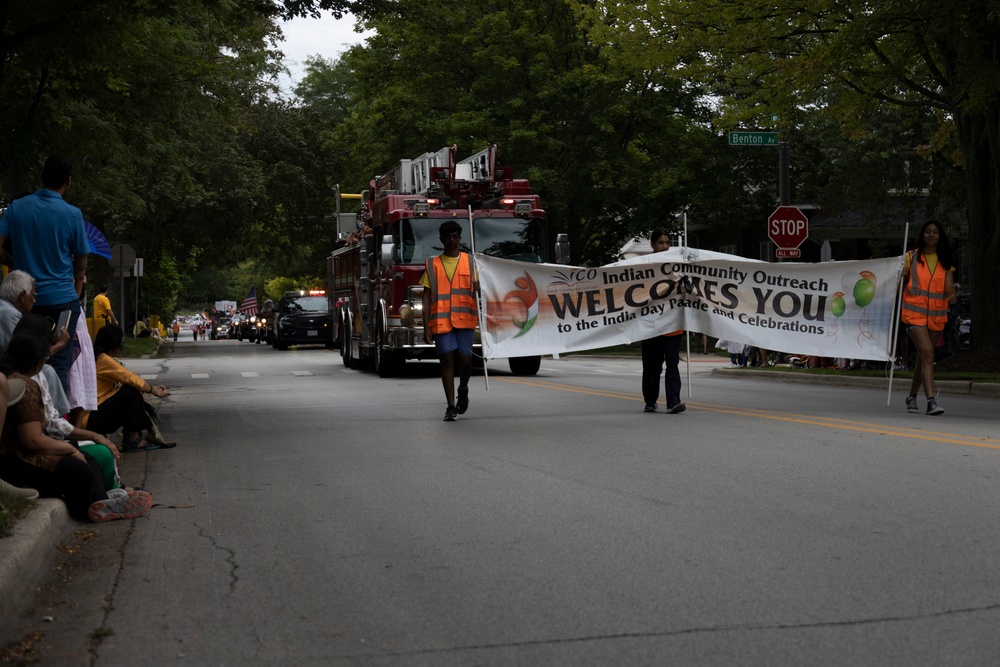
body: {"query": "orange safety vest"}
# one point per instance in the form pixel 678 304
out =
pixel 925 303
pixel 453 302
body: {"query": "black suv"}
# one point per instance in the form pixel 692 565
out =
pixel 302 318
pixel 220 328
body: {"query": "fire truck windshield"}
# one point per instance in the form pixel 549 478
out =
pixel 509 238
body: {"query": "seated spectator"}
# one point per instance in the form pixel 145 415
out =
pixel 32 459
pixel 11 392
pixel 119 396
pixel 17 296
pixel 58 428
pixel 140 330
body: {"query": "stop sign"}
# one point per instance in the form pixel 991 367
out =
pixel 787 227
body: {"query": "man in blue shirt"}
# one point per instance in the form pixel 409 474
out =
pixel 49 242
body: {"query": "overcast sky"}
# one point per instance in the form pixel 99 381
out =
pixel 325 36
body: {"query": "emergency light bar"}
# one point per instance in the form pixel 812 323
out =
pixel 520 205
pixel 423 205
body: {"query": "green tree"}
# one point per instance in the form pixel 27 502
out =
pixel 844 58
pixel 590 137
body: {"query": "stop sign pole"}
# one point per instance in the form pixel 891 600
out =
pixel 788 227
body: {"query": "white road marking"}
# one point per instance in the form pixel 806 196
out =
pixel 251 374
pixel 199 376
pixel 301 373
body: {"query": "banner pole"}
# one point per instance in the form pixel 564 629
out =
pixel 895 319
pixel 479 299
pixel 687 334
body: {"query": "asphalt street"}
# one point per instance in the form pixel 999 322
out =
pixel 314 515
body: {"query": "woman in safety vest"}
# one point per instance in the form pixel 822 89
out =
pixel 928 288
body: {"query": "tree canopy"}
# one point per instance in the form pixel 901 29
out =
pixel 847 59
pixel 185 147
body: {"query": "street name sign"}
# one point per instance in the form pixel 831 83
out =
pixel 742 138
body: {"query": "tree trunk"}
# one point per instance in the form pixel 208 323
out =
pixel 979 136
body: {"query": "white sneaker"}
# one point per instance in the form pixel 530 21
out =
pixel 9 489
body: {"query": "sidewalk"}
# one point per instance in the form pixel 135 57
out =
pixel 955 387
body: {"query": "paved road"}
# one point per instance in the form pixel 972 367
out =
pixel 314 515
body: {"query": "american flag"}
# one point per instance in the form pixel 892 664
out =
pixel 249 305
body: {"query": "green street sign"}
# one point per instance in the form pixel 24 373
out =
pixel 753 138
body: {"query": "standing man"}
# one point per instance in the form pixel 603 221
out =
pixel 450 315
pixel 659 349
pixel 103 315
pixel 49 242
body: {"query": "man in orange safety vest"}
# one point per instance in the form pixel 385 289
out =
pixel 450 315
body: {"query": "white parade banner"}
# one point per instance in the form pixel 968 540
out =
pixel 834 309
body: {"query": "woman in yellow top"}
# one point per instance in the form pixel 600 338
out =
pixel 119 396
pixel 928 288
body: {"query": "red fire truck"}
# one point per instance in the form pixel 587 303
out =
pixel 374 281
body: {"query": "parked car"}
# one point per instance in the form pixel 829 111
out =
pixel 302 318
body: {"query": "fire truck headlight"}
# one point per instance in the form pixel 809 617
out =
pixel 406 316
pixel 413 303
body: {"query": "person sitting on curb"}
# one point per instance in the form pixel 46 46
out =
pixel 57 469
pixel 11 392
pixel 58 428
pixel 17 296
pixel 119 396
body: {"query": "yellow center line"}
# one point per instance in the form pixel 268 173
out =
pixel 812 420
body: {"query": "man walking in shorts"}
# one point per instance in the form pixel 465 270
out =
pixel 450 315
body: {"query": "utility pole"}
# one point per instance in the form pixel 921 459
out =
pixel 784 187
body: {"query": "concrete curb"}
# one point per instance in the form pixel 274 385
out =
pixel 29 553
pixel 954 387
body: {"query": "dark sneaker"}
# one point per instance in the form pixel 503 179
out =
pixel 463 400
pixel 650 407
pixel 911 403
pixel 933 408
pixel 451 414
pixel 676 408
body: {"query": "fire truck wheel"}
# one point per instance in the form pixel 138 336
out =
pixel 345 343
pixel 385 362
pixel 524 365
